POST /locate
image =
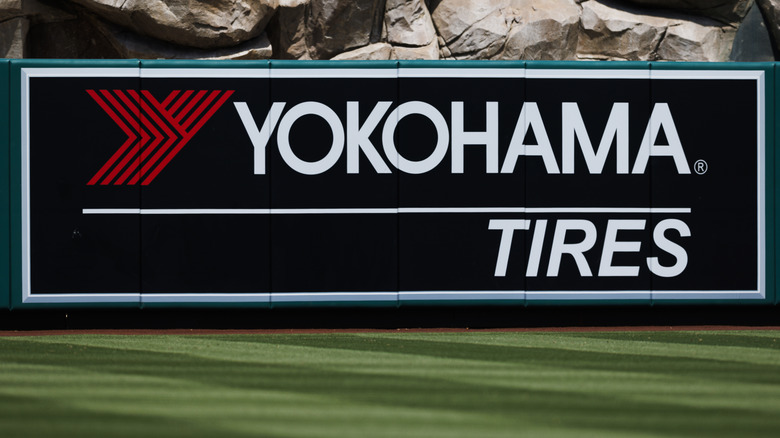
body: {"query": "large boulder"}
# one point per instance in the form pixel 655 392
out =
pixel 287 30
pixel 371 52
pixel 131 45
pixel 13 36
pixel 429 52
pixel 471 28
pixel 78 36
pixel 335 26
pixel 546 30
pixel 771 12
pixel 752 42
pixel 408 23
pixel 507 29
pixel 196 23
pixel 306 29
pixel 613 31
pixel 727 11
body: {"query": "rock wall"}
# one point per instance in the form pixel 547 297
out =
pixel 646 30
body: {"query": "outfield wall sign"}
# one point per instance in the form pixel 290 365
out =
pixel 391 184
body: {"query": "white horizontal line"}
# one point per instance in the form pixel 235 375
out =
pixel 402 210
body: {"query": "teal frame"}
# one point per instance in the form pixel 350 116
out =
pixel 5 180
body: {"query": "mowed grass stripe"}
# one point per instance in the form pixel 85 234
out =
pixel 410 384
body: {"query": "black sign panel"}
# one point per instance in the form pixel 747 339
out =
pixel 392 184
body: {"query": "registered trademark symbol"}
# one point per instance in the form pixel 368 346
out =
pixel 700 167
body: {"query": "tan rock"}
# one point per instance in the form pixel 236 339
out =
pixel 79 37
pixel 691 41
pixel 546 30
pixel 431 51
pixel 453 17
pixel 195 23
pixel 335 26
pixel 409 23
pixel 619 33
pixel 131 45
pixel 13 35
pixel 613 31
pixel 372 52
pixel 727 11
pixel 10 9
pixel 482 39
pixel 287 30
pixel 771 12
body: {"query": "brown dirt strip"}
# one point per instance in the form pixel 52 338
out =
pixel 407 330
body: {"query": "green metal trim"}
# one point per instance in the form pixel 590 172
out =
pixel 332 64
pixel 189 63
pixel 15 145
pixel 461 64
pixel 589 65
pixel 5 207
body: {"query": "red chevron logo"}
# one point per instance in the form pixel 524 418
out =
pixel 156 131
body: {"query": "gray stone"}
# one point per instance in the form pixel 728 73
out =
pixel 727 11
pixel 453 17
pixel 771 11
pixel 335 26
pixel 482 39
pixel 13 35
pixel 752 41
pixel 196 23
pixel 546 30
pixel 408 23
pixel 613 31
pixel 287 30
pixel 372 52
pixel 77 38
pixel 10 9
pixel 431 51
pixel 131 45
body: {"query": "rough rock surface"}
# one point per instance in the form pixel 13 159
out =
pixel 542 30
pixel 727 11
pixel 408 23
pixel 752 41
pixel 131 45
pixel 681 30
pixel 335 26
pixel 287 30
pixel 613 31
pixel 13 33
pixel 771 11
pixel 196 23
pixel 372 52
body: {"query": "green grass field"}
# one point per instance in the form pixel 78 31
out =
pixel 478 384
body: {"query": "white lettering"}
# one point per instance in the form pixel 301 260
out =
pixel 670 247
pixel 507 227
pixel 574 127
pixel 442 142
pixel 357 137
pixel 283 138
pixel 259 137
pixel 611 246
pixel 661 117
pixel 489 137
pixel 576 250
pixel 530 117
